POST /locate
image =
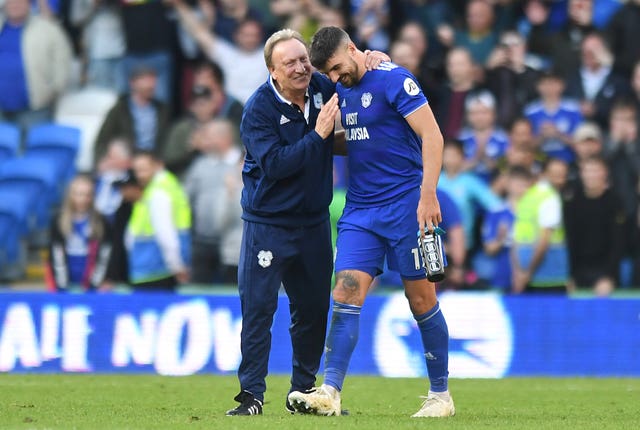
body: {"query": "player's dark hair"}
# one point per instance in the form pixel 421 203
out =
pixel 325 43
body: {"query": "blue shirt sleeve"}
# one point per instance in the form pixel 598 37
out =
pixel 403 92
pixel 276 158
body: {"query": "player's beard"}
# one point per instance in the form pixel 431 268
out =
pixel 350 78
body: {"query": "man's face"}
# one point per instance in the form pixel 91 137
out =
pixel 144 85
pixel 403 54
pixel 342 68
pixel 459 66
pixel 16 10
pixel 480 116
pixel 291 68
pixel 144 167
pixel 593 175
pixel 249 36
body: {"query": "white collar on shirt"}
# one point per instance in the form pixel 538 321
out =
pixel 283 100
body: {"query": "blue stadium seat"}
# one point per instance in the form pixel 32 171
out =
pixel 56 142
pixel 9 141
pixel 14 225
pixel 36 179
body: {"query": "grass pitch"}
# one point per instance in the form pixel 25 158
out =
pixel 199 402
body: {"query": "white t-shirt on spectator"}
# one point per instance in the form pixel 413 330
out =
pixel 243 71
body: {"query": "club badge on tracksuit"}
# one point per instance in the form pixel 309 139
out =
pixel 264 258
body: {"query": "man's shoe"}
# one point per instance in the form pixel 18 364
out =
pixel 249 405
pixel 322 400
pixel 289 407
pixel 436 406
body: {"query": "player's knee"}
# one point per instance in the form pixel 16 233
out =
pixel 420 302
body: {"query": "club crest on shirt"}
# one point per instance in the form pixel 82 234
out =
pixel 366 100
pixel 264 258
pixel 317 100
pixel 411 87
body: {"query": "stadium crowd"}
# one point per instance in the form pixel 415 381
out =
pixel 538 101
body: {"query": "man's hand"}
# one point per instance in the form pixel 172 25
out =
pixel 521 279
pixel 373 59
pixel 327 117
pixel 428 212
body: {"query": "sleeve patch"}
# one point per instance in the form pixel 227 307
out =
pixel 411 87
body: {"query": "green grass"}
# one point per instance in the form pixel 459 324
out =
pixel 199 402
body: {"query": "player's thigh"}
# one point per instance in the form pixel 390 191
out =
pixel 358 247
pixel 403 254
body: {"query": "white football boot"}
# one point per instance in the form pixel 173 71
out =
pixel 436 406
pixel 322 400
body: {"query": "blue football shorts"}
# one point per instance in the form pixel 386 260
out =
pixel 367 235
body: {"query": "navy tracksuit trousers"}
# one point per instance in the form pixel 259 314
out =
pixel 301 259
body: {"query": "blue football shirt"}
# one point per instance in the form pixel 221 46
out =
pixel 385 154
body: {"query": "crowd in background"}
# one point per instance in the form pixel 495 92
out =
pixel 538 101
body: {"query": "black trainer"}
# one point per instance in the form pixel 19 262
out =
pixel 249 405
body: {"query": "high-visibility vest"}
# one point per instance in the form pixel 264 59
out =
pixel 146 262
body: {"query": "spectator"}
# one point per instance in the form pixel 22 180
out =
pixel 450 98
pixel 492 264
pixel 595 83
pixel 467 191
pixel 118 267
pixel 149 34
pixel 587 143
pixel 370 19
pixel 635 88
pixel 102 41
pixel 510 78
pixel 242 62
pixel 208 74
pixel 80 241
pixel 157 236
pixel 554 118
pixel 138 117
pixel 428 69
pixel 111 168
pixel 208 101
pixel 622 148
pixel 539 251
pixel 484 143
pixel 35 60
pixel 480 35
pixel 229 16
pixel 624 33
pixel 594 219
pixel 565 45
pixel 182 145
pixel 213 183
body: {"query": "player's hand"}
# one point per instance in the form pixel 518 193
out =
pixel 428 212
pixel 373 59
pixel 327 117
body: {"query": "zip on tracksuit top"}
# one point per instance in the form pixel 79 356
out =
pixel 288 169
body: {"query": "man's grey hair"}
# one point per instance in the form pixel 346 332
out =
pixel 277 37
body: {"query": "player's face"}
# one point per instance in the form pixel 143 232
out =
pixel 291 68
pixel 342 68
